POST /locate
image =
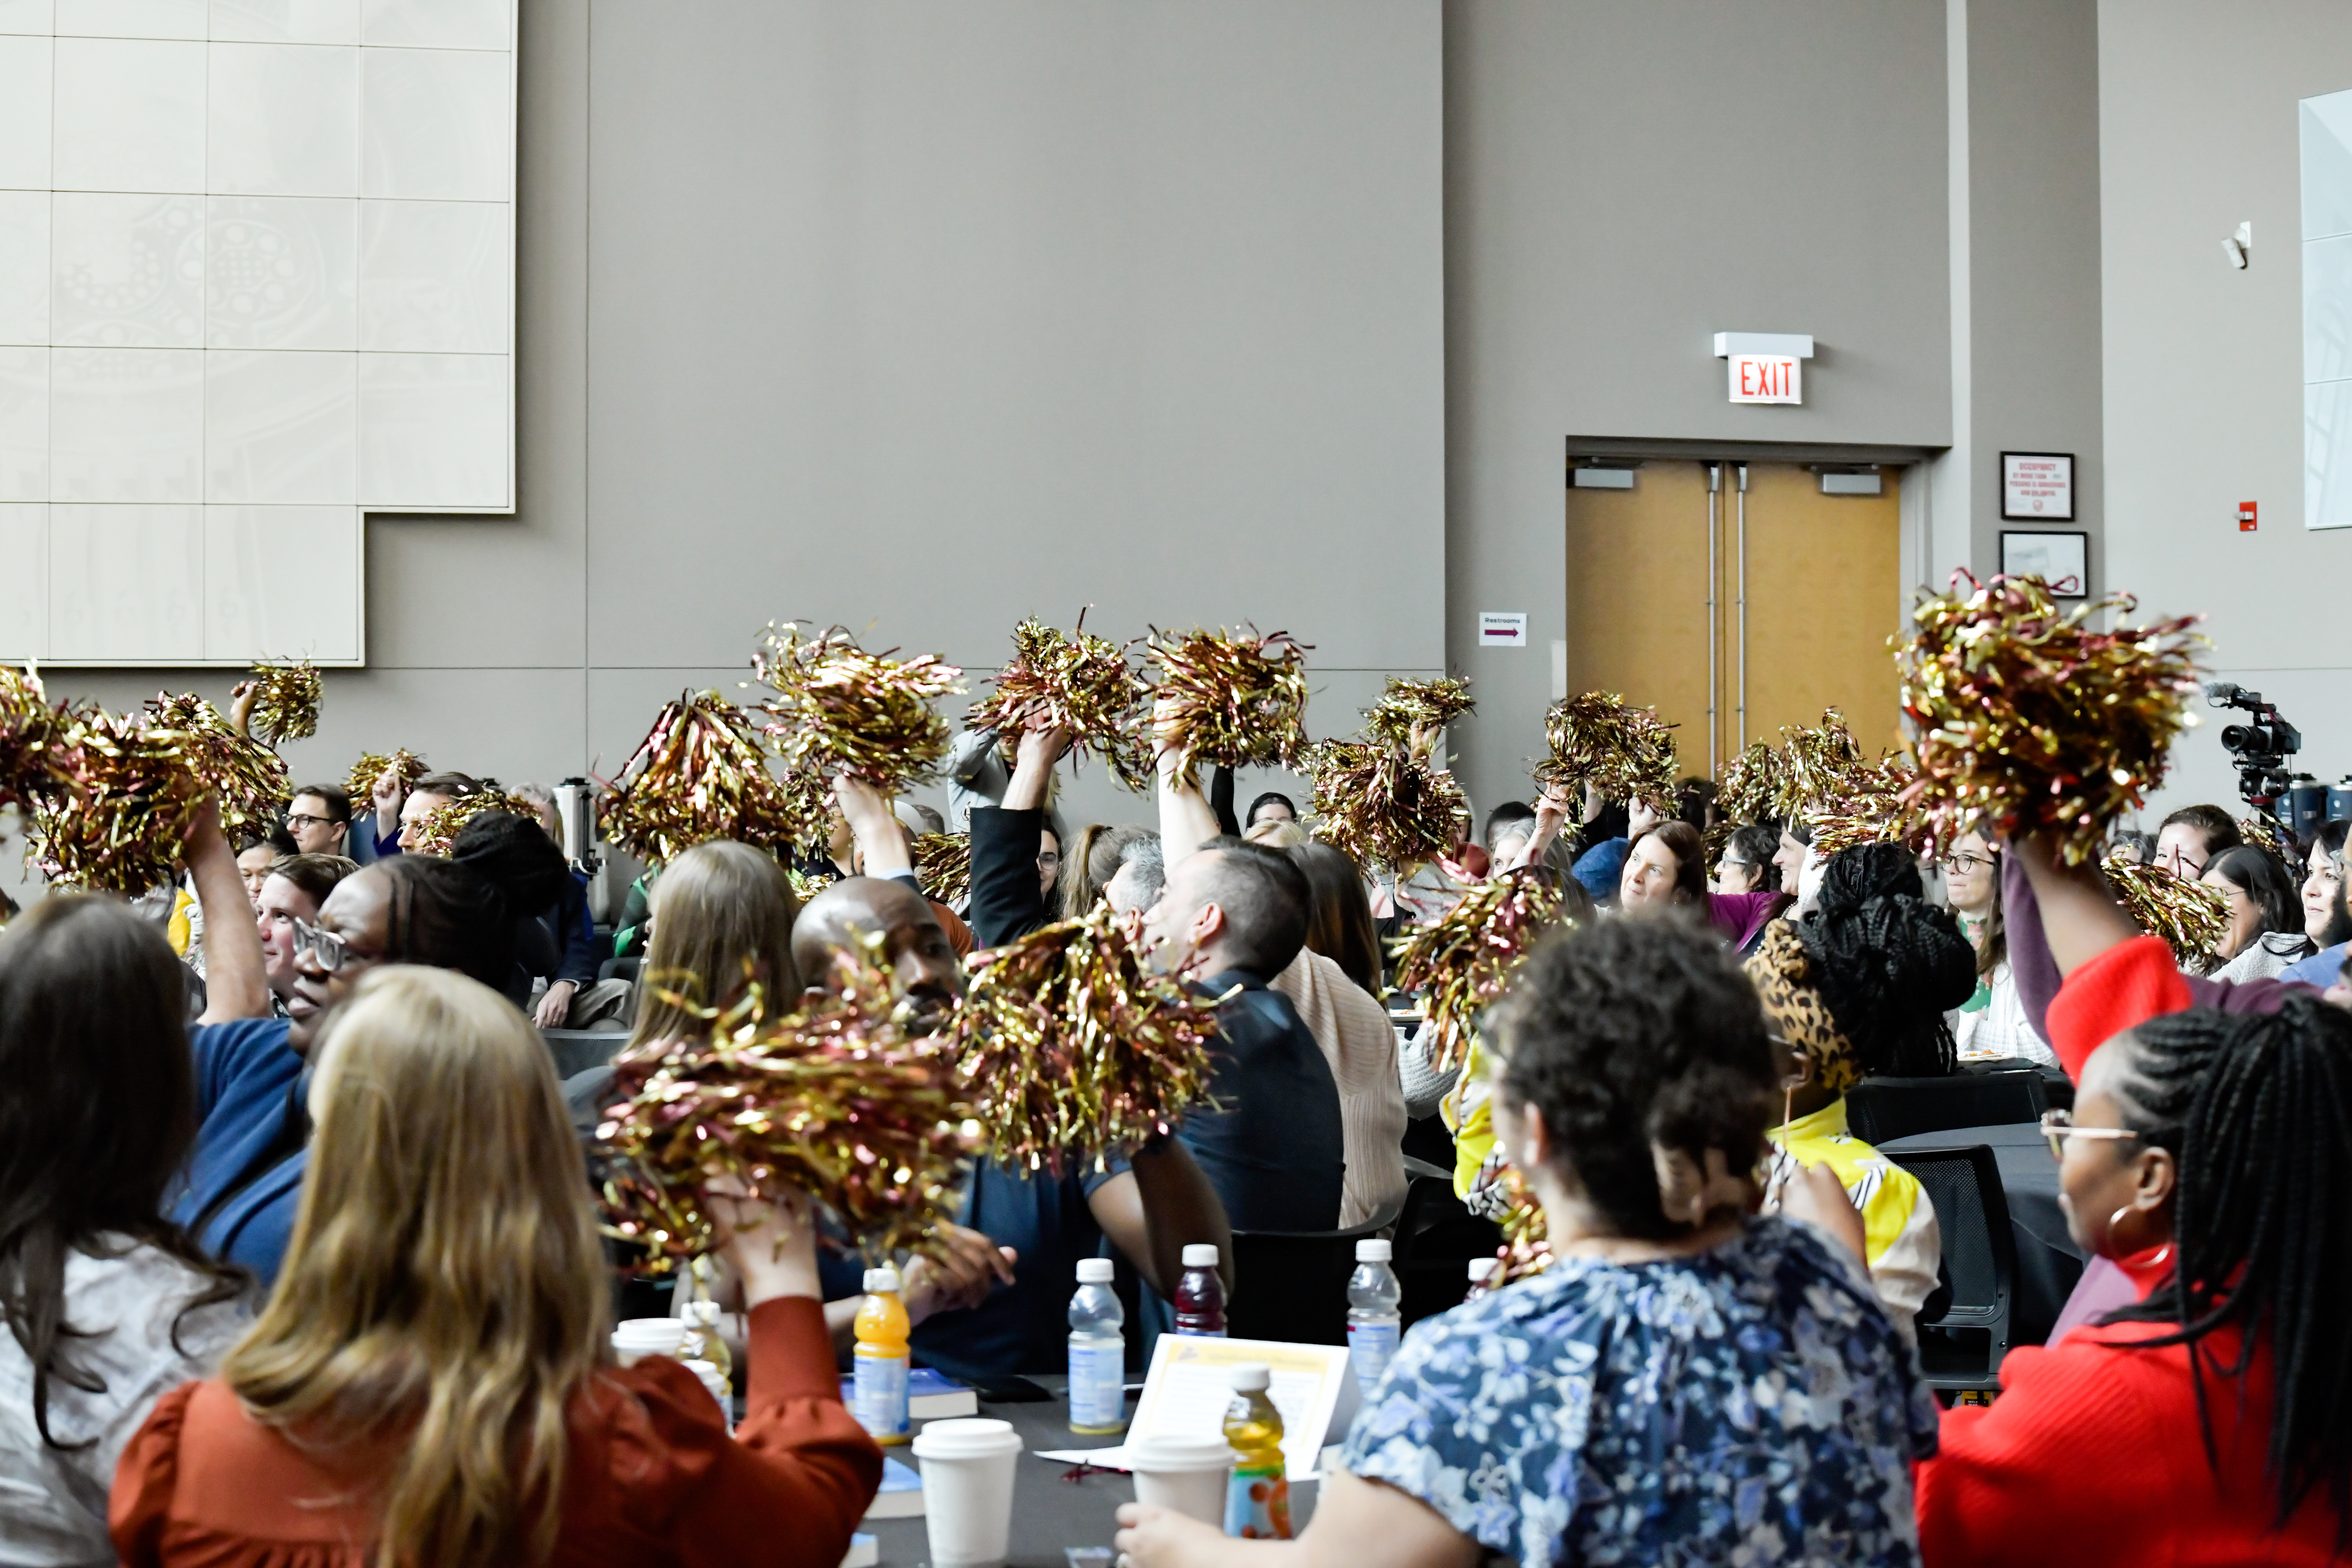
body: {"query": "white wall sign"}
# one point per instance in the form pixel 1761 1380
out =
pixel 1502 628
pixel 2038 486
pixel 1767 378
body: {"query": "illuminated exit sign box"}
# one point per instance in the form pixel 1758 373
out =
pixel 1765 367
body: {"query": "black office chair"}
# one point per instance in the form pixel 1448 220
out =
pixel 1292 1285
pixel 1436 1237
pixel 1879 1110
pixel 1961 1345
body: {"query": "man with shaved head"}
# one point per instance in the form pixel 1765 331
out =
pixel 1148 1203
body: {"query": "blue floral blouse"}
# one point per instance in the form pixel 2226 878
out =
pixel 1750 1405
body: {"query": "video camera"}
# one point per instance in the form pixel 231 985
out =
pixel 2258 750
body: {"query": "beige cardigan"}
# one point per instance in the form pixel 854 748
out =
pixel 1362 1046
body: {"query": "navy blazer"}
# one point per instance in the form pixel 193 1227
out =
pixel 1273 1146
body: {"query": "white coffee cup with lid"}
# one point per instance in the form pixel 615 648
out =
pixel 636 1337
pixel 1187 1473
pixel 968 1467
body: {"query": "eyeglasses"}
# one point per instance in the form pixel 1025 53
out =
pixel 304 820
pixel 1966 864
pixel 1047 858
pixel 331 951
pixel 2057 1126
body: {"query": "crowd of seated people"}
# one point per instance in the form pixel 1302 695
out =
pixel 306 1266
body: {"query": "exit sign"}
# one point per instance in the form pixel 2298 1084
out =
pixel 1767 378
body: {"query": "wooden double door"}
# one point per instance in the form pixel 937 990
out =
pixel 1736 599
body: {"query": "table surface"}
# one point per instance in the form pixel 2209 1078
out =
pixel 1049 1513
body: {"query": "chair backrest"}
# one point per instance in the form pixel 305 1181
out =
pixel 1980 1264
pixel 577 1050
pixel 1879 1110
pixel 1292 1285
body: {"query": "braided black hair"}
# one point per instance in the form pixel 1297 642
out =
pixel 2254 1110
pixel 1887 961
pixel 1623 1032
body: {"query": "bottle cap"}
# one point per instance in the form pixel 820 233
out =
pixel 1482 1268
pixel 1373 1250
pixel 1251 1377
pixel 1201 1255
pixel 1094 1271
pixel 880 1279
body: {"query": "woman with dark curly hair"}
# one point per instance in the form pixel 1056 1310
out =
pixel 1686 1382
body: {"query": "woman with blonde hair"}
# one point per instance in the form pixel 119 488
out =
pixel 431 1380
pixel 722 921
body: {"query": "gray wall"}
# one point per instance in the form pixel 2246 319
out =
pixel 2204 363
pixel 2023 139
pixel 1621 183
pixel 919 318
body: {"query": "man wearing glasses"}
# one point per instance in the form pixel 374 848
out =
pixel 320 820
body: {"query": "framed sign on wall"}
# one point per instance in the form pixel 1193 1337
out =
pixel 2037 487
pixel 2062 560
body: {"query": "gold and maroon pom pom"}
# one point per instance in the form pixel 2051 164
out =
pixel 1461 962
pixel 249 778
pixel 2030 719
pixel 1081 683
pixel 436 831
pixel 1074 1048
pixel 835 1101
pixel 2261 829
pixel 1409 711
pixel 120 823
pixel 2190 917
pixel 1599 738
pixel 1820 764
pixel 360 786
pixel 701 774
pixel 34 762
pixel 1379 805
pixel 1750 789
pixel 1872 810
pixel 943 865
pixel 832 707
pixel 286 708
pixel 1229 701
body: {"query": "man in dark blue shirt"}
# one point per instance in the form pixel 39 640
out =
pixel 1233 915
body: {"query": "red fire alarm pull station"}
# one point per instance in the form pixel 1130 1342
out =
pixel 2245 517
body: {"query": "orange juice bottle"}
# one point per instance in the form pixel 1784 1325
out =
pixel 1257 1497
pixel 878 1390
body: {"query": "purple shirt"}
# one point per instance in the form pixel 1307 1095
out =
pixel 1739 916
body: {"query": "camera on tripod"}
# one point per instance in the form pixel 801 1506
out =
pixel 2258 750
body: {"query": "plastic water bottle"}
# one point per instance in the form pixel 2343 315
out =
pixel 1098 1351
pixel 1201 1293
pixel 878 1386
pixel 1373 1322
pixel 1257 1494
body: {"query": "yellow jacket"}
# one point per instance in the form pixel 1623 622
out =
pixel 1897 1220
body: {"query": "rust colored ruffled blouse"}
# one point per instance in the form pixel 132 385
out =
pixel 652 1479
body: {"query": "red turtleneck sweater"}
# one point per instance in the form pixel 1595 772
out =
pixel 2093 1454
